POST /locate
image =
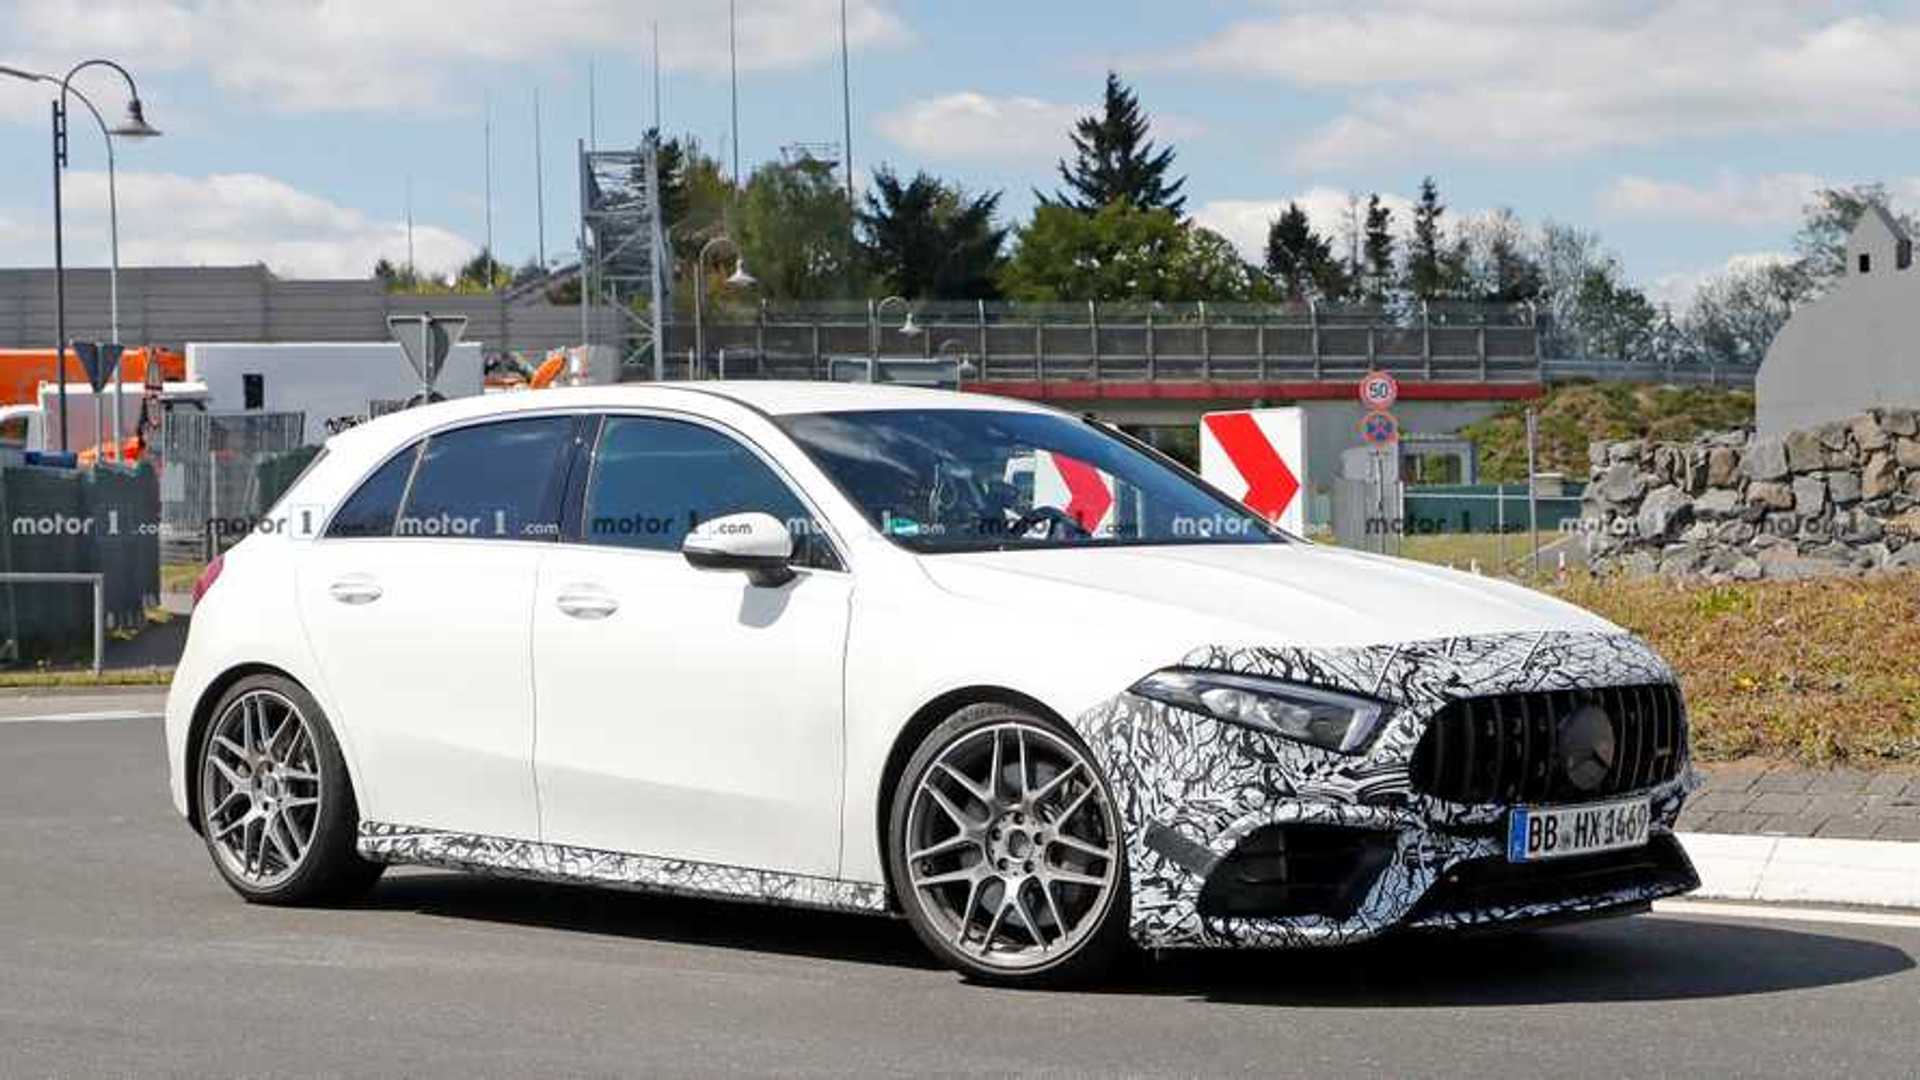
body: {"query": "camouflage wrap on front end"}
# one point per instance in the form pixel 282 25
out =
pixel 1211 784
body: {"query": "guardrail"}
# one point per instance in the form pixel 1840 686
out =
pixel 56 577
pixel 1683 373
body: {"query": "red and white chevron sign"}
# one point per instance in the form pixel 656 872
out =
pixel 1084 492
pixel 1258 456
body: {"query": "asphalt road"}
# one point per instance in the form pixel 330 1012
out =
pixel 121 953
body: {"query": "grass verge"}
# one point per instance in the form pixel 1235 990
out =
pixel 1821 672
pixel 142 676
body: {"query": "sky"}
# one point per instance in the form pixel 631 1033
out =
pixel 1689 135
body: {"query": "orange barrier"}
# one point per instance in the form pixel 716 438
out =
pixel 548 371
pixel 23 370
pixel 128 452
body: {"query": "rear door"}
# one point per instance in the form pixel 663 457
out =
pixel 417 604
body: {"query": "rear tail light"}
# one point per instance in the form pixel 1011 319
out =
pixel 207 577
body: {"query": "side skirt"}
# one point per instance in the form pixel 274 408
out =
pixel 531 859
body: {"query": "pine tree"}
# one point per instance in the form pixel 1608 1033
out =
pixel 1298 258
pixel 1378 248
pixel 1427 262
pixel 1114 160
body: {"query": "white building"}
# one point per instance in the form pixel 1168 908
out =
pixel 1857 347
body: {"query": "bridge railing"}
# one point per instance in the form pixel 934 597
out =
pixel 1282 342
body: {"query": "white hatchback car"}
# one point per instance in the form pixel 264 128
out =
pixel 982 663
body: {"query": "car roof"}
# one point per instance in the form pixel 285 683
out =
pixel 770 397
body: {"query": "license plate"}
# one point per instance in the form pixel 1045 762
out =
pixel 1535 833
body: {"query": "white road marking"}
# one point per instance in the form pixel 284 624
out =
pixel 1780 913
pixel 82 717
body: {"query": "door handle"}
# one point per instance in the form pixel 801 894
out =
pixel 354 590
pixel 586 602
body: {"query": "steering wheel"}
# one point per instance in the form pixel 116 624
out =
pixel 1060 524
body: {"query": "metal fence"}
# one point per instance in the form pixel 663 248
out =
pixel 1123 342
pixel 103 520
pixel 213 488
pixel 999 342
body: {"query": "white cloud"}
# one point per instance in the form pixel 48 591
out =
pixel 1244 221
pixel 1731 199
pixel 1677 289
pixel 1537 80
pixel 369 54
pixel 226 219
pixel 972 126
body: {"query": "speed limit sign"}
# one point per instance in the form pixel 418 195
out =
pixel 1378 390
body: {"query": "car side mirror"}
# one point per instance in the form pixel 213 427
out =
pixel 755 543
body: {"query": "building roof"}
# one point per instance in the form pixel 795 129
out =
pixel 1878 213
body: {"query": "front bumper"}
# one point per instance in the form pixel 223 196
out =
pixel 1202 803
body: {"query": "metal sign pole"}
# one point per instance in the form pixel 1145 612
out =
pixel 1533 488
pixel 1500 523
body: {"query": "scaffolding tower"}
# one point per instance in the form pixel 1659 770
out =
pixel 624 258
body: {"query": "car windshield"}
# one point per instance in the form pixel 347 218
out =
pixel 936 480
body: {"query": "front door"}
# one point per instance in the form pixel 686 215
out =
pixel 685 713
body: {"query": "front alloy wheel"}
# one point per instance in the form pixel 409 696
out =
pixel 1007 852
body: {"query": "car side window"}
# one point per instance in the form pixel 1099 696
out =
pixel 371 510
pixel 653 480
pixel 495 481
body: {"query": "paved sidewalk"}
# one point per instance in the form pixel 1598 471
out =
pixel 1761 798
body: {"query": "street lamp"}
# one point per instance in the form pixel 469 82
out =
pixel 739 279
pixel 133 126
pixel 907 326
pixel 138 128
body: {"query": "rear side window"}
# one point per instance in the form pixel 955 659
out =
pixel 370 511
pixel 653 480
pixel 497 481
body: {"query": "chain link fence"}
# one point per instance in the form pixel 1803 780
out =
pixel 218 477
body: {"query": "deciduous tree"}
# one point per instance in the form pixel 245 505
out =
pixel 795 232
pixel 1121 253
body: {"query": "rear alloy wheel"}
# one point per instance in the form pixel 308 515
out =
pixel 276 808
pixel 1006 850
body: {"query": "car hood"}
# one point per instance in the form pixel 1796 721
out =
pixel 1294 594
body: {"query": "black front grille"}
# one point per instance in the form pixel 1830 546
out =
pixel 1505 749
pixel 1486 886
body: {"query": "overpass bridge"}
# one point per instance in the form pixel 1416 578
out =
pixel 1157 368
pixel 1187 353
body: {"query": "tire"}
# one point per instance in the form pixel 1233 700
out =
pixel 263 785
pixel 1015 875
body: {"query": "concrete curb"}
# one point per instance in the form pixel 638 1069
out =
pixel 1795 869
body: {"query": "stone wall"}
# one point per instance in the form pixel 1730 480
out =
pixel 1840 498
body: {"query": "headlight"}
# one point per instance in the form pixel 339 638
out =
pixel 1325 718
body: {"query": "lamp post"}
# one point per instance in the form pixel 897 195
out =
pixel 879 310
pixel 135 126
pixel 739 279
pixel 113 227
